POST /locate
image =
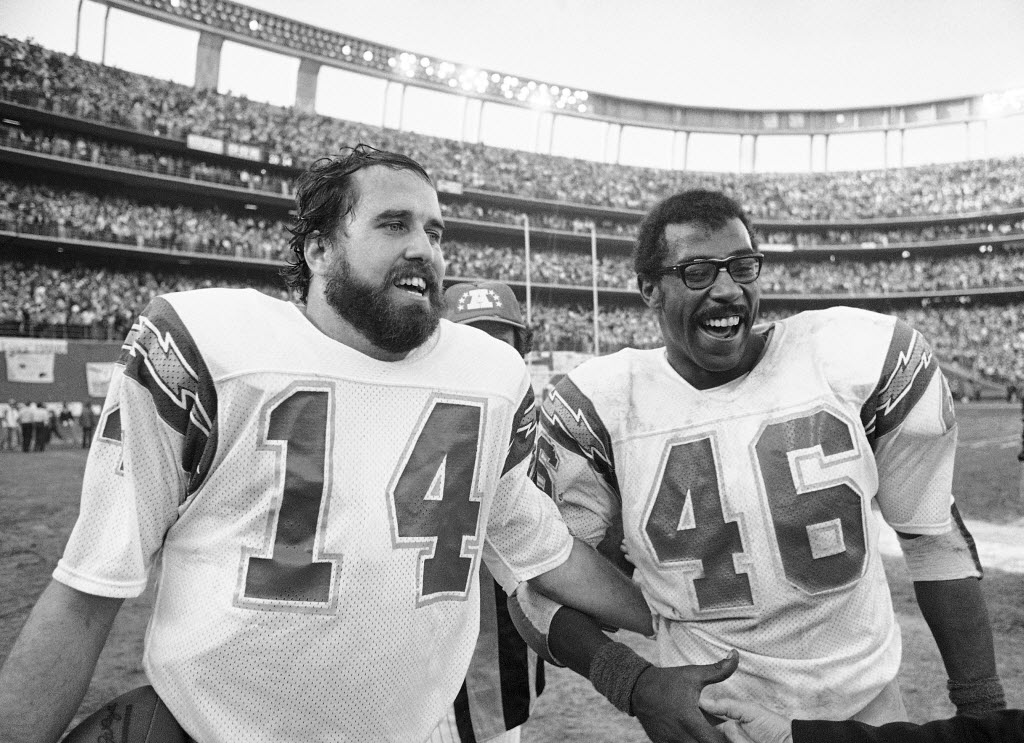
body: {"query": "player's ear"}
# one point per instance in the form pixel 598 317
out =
pixel 650 290
pixel 317 251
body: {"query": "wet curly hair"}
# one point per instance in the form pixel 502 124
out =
pixel 324 195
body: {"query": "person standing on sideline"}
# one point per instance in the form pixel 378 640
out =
pixel 41 426
pixel 9 419
pixel 1020 454
pixel 27 421
pixel 496 697
pixel 55 423
pixel 87 420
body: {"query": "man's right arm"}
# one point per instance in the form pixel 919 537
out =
pixel 46 675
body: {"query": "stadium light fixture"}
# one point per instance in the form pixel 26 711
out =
pixel 1003 104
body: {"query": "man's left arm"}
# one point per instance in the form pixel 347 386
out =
pixel 957 615
pixel 911 424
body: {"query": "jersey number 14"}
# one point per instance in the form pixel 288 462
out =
pixel 432 507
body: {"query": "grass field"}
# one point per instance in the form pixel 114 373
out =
pixel 39 503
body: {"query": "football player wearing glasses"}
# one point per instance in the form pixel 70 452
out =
pixel 750 467
pixel 702 272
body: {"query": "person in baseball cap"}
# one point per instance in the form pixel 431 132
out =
pixel 492 307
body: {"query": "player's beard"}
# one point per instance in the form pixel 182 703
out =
pixel 371 310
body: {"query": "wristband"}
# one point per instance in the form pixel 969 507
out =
pixel 614 671
pixel 974 697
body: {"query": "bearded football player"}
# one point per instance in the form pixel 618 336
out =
pixel 318 483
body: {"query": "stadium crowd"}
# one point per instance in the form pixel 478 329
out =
pixel 40 209
pixel 808 237
pixel 89 149
pixel 34 76
pixel 76 301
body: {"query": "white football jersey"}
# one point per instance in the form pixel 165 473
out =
pixel 319 516
pixel 750 510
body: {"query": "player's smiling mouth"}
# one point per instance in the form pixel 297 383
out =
pixel 721 327
pixel 412 284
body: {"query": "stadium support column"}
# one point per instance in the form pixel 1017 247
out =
pixel 472 118
pixel 749 157
pixel 679 152
pixel 305 85
pixel 401 105
pixel 593 273
pixel 526 257
pixel 78 24
pixel 208 60
pixel 545 137
pixel 611 143
pixel 106 25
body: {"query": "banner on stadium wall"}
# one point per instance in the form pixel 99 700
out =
pixel 444 186
pixel 62 376
pixel 244 151
pixel 29 368
pixel 33 345
pixel 204 144
pixel 97 377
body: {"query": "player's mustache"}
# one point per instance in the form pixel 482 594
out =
pixel 724 310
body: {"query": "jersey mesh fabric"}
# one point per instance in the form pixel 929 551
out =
pixel 750 510
pixel 297 599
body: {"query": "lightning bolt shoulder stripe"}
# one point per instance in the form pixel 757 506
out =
pixel 160 354
pixel 524 431
pixel 906 373
pixel 570 419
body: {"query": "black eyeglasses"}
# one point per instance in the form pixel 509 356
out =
pixel 701 273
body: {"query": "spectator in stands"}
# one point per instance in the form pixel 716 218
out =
pixel 69 85
pixel 981 340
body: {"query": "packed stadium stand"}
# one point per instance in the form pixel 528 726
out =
pixel 107 200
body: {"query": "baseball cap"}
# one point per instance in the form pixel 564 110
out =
pixel 483 300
